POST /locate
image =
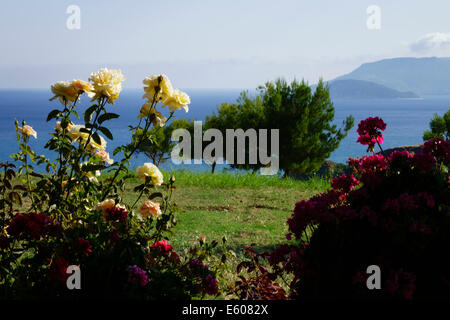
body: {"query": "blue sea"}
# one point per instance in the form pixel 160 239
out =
pixel 406 119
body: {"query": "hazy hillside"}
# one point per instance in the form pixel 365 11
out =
pixel 365 90
pixel 420 75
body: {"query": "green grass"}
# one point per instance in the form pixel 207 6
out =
pixel 246 208
pixel 242 180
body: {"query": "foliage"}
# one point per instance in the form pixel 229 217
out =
pixel 439 127
pixel 391 212
pixel 157 144
pixel 261 285
pixel 75 218
pixel 307 135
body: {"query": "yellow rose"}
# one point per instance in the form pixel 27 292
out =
pixel 106 204
pixel 154 82
pixel 149 208
pixel 150 170
pixel 147 110
pixel 76 134
pixel 83 86
pixel 104 155
pixel 94 146
pixel 177 100
pixel 58 126
pixel 107 83
pixel 65 92
pixel 27 131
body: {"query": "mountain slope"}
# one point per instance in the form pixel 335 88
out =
pixel 364 90
pixel 420 75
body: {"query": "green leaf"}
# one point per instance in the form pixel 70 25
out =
pixel 155 195
pixel 89 112
pixel 75 113
pixel 85 130
pixel 107 116
pixel 106 132
pixel 19 187
pixel 139 187
pixel 53 114
pixel 64 122
pixel 96 138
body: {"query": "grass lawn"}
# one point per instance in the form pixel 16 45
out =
pixel 245 208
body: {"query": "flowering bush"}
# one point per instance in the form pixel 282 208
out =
pixel 391 212
pixel 74 217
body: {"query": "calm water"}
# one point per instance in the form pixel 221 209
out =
pixel 406 119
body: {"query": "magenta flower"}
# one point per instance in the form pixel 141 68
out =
pixel 369 131
pixel 209 285
pixel 137 276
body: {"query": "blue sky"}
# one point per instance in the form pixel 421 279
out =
pixel 210 43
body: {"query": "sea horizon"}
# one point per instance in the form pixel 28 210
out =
pixel 406 119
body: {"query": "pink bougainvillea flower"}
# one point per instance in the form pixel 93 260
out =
pixel 344 183
pixel 439 148
pixel 423 161
pixel 369 131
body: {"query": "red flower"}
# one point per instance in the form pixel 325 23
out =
pixel 116 213
pixel 85 246
pixel 162 245
pixel 59 268
pixel 34 225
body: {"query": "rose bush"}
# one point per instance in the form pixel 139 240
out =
pixel 391 212
pixel 74 214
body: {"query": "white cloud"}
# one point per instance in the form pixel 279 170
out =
pixel 436 42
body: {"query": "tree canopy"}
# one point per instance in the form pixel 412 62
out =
pixel 439 127
pixel 304 119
